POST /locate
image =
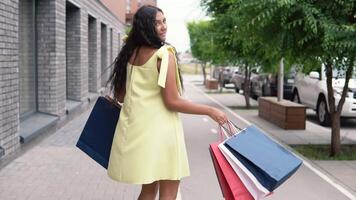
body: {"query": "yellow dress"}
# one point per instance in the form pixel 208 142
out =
pixel 148 144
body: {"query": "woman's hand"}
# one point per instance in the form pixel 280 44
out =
pixel 218 116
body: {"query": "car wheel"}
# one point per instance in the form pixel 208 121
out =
pixel 224 83
pixel 264 90
pixel 237 90
pixel 295 97
pixel 253 94
pixel 322 112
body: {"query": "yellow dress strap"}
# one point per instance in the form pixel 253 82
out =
pixel 163 54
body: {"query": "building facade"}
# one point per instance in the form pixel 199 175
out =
pixel 118 8
pixel 55 58
pixel 133 5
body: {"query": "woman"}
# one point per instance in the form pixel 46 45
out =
pixel 148 146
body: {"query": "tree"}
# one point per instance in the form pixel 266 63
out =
pixel 307 32
pixel 239 48
pixel 201 45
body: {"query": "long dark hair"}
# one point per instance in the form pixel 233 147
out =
pixel 143 33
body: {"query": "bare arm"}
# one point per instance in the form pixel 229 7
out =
pixel 174 102
pixel 121 96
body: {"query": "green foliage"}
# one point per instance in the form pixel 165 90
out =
pixel 307 32
pixel 321 152
pixel 128 29
pixel 302 31
pixel 241 47
pixel 198 42
pixel 202 43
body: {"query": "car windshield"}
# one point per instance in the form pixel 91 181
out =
pixel 342 73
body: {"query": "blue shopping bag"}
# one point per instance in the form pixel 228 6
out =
pixel 268 161
pixel 98 133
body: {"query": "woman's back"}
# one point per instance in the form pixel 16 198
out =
pixel 149 143
pixel 141 55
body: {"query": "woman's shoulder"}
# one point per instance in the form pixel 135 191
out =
pixel 166 49
pixel 145 53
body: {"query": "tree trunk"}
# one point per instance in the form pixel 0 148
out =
pixel 335 122
pixel 203 65
pixel 335 147
pixel 335 111
pixel 221 80
pixel 247 86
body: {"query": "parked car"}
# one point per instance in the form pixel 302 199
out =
pixel 224 74
pixel 311 90
pixel 227 75
pixel 216 72
pixel 238 78
pixel 266 84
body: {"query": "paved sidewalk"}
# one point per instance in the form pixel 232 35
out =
pixel 341 172
pixel 55 169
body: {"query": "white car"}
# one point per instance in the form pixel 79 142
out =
pixel 311 90
pixel 238 78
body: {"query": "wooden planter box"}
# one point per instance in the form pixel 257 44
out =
pixel 211 84
pixel 285 114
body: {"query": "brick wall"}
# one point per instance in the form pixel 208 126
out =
pixel 117 7
pixel 98 55
pixel 92 52
pixel 136 4
pixel 51 59
pixel 73 54
pixel 9 87
pixel 84 65
pixel 148 2
pixel 76 52
pixel 104 53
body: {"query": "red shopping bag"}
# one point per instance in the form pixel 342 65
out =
pixel 230 184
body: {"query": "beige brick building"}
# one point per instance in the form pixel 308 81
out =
pixel 133 5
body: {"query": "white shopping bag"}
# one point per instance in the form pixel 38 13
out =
pixel 257 190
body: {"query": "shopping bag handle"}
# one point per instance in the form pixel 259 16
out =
pixel 222 133
pixel 238 129
pixel 231 130
pixel 112 101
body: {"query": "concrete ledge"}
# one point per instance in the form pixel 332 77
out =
pixel 34 125
pixel 72 105
pixel 285 114
pixel 2 152
pixel 92 97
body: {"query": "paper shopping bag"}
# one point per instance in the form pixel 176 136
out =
pixel 97 135
pixel 230 184
pixel 269 162
pixel 255 188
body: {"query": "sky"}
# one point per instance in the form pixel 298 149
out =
pixel 178 13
